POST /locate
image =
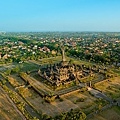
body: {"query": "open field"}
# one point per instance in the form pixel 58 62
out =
pixel 28 66
pixel 5 67
pixel 64 104
pixel 110 87
pixel 7 110
pixel 58 59
pixel 110 114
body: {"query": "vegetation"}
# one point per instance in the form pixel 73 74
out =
pixel 22 54
pixel 73 114
pixel 85 46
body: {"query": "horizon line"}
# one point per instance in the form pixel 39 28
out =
pixel 54 31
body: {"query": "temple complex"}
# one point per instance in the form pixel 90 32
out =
pixel 63 72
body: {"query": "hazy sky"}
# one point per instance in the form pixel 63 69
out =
pixel 59 15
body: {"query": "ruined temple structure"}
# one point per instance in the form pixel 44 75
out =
pixel 63 72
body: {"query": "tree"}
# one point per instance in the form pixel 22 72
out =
pixel 82 116
pixel 16 69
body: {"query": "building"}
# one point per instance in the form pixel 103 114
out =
pixel 62 72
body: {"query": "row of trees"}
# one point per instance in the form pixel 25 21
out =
pixel 71 115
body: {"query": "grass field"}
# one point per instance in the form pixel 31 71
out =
pixel 110 114
pixel 58 59
pixel 28 66
pixel 110 87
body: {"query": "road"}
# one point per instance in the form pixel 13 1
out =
pixel 99 94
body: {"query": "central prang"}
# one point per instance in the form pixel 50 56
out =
pixel 63 54
pixel 61 73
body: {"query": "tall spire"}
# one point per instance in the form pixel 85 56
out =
pixel 63 54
